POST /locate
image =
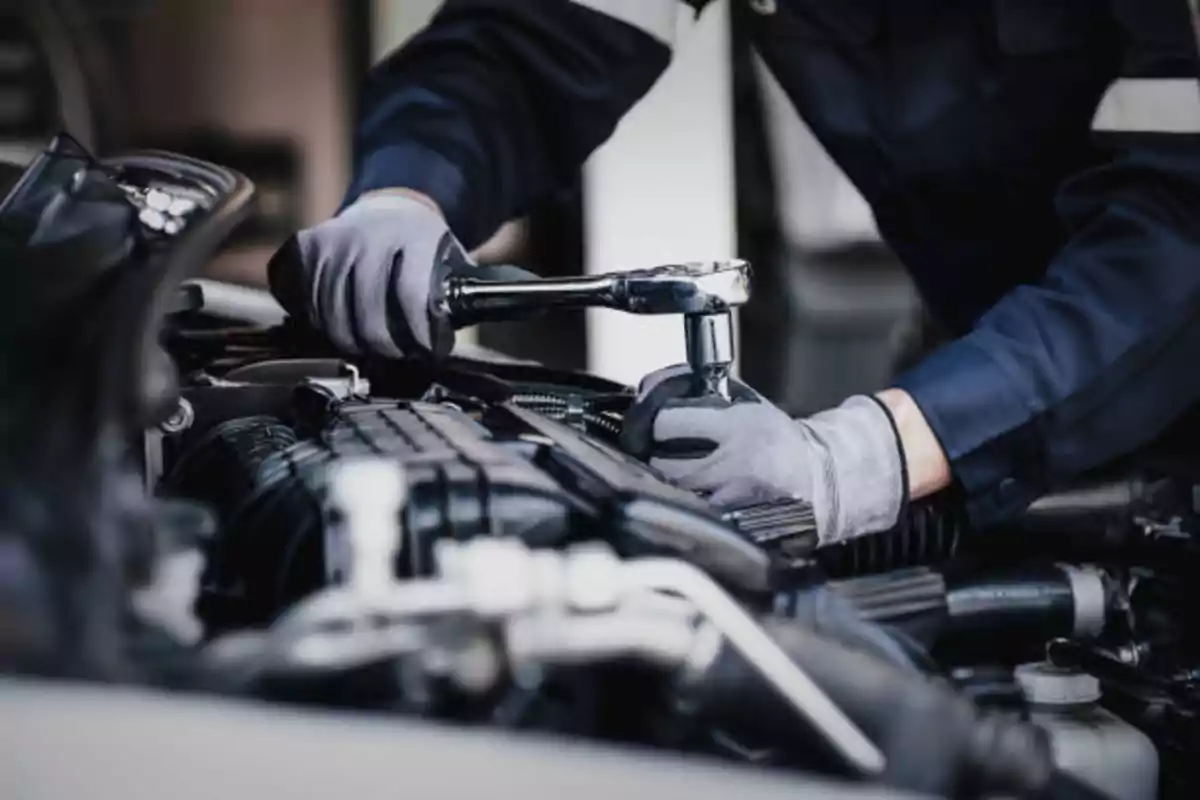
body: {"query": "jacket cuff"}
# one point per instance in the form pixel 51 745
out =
pixel 412 165
pixel 984 427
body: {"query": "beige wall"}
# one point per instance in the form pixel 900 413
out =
pixel 254 67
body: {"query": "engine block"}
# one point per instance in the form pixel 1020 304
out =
pixel 495 470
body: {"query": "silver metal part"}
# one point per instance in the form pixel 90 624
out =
pixel 182 418
pixel 162 209
pixel 349 384
pixel 704 292
pixel 152 458
pixel 1091 599
pixel 691 288
pixel 581 605
pixel 576 412
pixel 660 639
pixel 709 340
pixel 767 657
pixel 367 496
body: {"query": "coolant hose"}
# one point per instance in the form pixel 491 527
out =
pixel 1036 602
pixel 1048 602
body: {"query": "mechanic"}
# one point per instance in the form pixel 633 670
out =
pixel 1034 163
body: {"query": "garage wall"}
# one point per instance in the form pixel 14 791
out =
pixel 269 68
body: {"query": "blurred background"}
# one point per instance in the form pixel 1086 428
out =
pixel 712 164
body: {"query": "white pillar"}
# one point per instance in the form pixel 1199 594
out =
pixel 395 21
pixel 662 190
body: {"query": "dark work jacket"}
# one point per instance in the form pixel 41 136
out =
pixel 1066 259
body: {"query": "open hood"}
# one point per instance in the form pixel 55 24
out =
pixel 93 253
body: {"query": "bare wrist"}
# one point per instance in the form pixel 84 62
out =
pixel 926 462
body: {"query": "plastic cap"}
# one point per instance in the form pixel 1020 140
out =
pixel 368 483
pixel 369 493
pixel 1046 685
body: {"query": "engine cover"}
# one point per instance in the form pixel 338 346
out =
pixel 498 470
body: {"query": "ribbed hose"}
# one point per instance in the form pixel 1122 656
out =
pixel 933 534
pixel 225 465
pixel 248 471
pixel 896 597
pixel 596 421
pixel 1033 603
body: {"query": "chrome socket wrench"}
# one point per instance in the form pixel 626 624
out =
pixel 705 293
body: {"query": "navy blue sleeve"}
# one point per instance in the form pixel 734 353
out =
pixel 1097 359
pixel 497 103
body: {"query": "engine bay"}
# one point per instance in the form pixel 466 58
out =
pixel 466 541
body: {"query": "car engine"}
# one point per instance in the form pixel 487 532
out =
pixel 466 541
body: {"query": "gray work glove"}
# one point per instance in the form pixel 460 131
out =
pixel 370 278
pixel 847 461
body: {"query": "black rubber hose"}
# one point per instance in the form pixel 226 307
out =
pixel 595 418
pixel 1032 601
pixel 1091 507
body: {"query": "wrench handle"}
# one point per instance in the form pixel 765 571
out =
pixel 470 301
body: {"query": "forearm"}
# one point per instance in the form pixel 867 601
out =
pixel 1097 359
pixel 1092 363
pixel 496 105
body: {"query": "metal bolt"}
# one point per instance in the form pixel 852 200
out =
pixel 158 200
pixel 153 219
pixel 181 207
pixel 181 418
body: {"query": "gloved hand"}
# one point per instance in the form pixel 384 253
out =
pixel 370 278
pixel 847 461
